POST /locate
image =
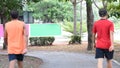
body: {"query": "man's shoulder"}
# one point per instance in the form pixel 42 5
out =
pixel 109 22
pixel 7 23
pixel 20 21
pixel 15 21
pixel 95 23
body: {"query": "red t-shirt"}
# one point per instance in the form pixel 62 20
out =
pixel 102 29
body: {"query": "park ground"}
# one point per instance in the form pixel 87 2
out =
pixel 60 45
pixel 75 48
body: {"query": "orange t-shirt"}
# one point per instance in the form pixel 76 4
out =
pixel 15 36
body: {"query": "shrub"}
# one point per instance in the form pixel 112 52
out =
pixel 41 41
pixel 69 27
pixel 75 39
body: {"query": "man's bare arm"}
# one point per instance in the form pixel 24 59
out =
pixel 93 39
pixel 111 39
pixel 26 39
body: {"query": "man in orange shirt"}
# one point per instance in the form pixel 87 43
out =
pixel 16 37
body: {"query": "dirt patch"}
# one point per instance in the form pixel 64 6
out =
pixel 67 48
pixel 117 52
pixel 29 62
pixel 77 48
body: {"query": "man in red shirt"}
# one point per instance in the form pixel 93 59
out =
pixel 104 29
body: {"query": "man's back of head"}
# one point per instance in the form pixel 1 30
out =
pixel 14 14
pixel 102 12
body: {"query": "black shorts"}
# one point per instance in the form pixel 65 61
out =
pixel 18 57
pixel 101 53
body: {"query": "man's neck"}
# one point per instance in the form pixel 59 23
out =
pixel 14 19
pixel 103 18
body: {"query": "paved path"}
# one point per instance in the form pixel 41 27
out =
pixel 67 60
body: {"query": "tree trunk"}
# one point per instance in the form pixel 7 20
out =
pixel 3 21
pixel 104 4
pixel 74 5
pixel 90 19
pixel 80 19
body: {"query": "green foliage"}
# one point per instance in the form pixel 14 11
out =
pixel 89 2
pixel 114 19
pixel 7 5
pixel 41 41
pixel 68 26
pixel 63 0
pixel 51 11
pixel 114 9
pixel 75 39
pixel 111 1
pixel 117 26
pixel 34 0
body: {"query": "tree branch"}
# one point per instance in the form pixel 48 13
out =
pixel 73 1
pixel 104 4
pixel 79 2
pixel 95 4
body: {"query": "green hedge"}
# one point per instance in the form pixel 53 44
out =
pixel 75 39
pixel 41 41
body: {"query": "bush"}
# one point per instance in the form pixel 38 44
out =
pixel 69 27
pixel 75 39
pixel 41 41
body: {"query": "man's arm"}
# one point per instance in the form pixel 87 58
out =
pixel 93 39
pixel 111 39
pixel 26 39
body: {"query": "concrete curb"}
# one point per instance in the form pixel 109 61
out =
pixel 116 62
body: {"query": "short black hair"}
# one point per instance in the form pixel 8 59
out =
pixel 14 14
pixel 102 12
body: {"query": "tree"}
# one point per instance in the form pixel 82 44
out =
pixel 113 9
pixel 74 2
pixel 81 18
pixel 59 11
pixel 5 7
pixel 90 19
pixel 112 6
